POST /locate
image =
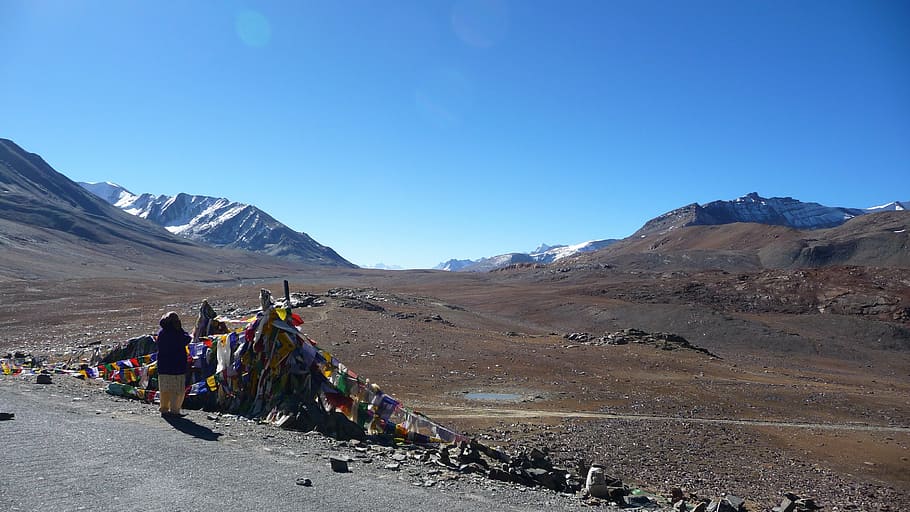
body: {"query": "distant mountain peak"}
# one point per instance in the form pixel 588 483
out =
pixel 383 266
pixel 892 206
pixel 543 248
pixel 109 191
pixel 219 222
pixel 544 254
pixel 752 207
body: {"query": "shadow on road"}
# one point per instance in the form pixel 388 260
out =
pixel 192 428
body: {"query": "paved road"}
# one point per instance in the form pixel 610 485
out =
pixel 61 454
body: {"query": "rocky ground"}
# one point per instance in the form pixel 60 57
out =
pixel 781 402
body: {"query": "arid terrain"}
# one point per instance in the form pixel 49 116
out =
pixel 801 385
pixel 738 358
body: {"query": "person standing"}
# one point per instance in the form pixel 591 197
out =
pixel 172 345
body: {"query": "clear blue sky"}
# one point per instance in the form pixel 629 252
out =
pixel 411 132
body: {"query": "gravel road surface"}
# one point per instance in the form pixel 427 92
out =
pixel 70 447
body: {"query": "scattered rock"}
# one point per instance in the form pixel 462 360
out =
pixel 793 503
pixel 786 505
pixel 305 482
pixel 304 300
pixel 661 340
pixel 438 319
pixel 339 464
pixel 728 503
pixel 735 502
pixel 676 494
pixel 361 304
pixel 637 501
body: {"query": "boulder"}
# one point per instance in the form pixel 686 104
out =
pixel 339 464
pixel 786 505
pixel 637 501
pixel 676 494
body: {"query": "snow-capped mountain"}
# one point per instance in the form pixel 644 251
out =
pixel 110 192
pixel 778 211
pixel 890 207
pixel 543 254
pixel 383 266
pixel 219 222
pixel 549 254
pixel 454 265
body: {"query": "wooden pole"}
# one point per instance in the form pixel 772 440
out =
pixel 287 298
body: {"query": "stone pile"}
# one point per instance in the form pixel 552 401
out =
pixel 360 304
pixel 532 469
pixel 662 340
pixel 305 300
pixel 438 319
pixel 357 293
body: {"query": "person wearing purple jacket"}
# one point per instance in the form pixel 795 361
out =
pixel 172 343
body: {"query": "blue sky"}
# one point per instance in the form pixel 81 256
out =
pixel 411 132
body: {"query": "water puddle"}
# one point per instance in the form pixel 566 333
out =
pixel 492 396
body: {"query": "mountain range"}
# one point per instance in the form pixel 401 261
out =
pixel 219 222
pixel 879 240
pixel 48 222
pixel 544 254
pixel 50 227
pixel 751 208
pixel 774 211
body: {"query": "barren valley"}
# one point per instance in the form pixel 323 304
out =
pixel 804 399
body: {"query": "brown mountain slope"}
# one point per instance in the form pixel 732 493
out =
pixel 32 193
pixel 880 239
pixel 50 227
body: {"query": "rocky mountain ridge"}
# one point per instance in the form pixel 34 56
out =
pixel 877 240
pixel 219 222
pixel 34 195
pixel 752 208
pixel 774 211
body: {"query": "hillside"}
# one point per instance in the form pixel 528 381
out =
pixel 753 208
pixel 879 239
pixel 50 227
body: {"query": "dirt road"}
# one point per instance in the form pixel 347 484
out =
pixel 473 412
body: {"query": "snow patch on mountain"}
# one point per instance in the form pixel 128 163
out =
pixel 890 207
